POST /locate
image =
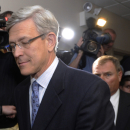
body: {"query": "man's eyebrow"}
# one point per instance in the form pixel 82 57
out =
pixel 96 73
pixel 20 39
pixel 103 73
pixel 107 72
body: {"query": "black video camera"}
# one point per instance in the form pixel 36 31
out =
pixel 93 38
pixel 4 36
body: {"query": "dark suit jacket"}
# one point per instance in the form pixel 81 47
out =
pixel 74 100
pixel 9 78
pixel 123 116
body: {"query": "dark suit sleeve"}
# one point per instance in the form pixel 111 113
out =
pixel 96 111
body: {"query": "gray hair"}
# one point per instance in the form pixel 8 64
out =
pixel 44 20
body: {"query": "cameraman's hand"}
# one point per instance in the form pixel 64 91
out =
pixel 100 52
pixel 80 42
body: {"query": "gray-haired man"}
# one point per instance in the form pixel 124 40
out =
pixel 55 96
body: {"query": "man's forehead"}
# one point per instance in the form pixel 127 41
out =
pixel 23 26
pixel 98 70
pixel 97 67
pixel 103 66
pixel 21 30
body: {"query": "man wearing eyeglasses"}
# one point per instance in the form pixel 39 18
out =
pixel 55 96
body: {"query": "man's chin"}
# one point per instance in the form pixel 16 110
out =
pixel 25 73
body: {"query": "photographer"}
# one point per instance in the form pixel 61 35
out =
pixel 10 77
pixel 93 44
pixel 79 58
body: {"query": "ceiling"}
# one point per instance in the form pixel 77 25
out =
pixel 119 7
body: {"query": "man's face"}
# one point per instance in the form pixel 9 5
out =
pixel 40 54
pixel 109 74
pixel 126 87
pixel 110 44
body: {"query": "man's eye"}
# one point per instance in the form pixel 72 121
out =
pixel 128 86
pixel 108 75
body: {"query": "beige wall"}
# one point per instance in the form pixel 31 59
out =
pixel 122 28
pixel 67 13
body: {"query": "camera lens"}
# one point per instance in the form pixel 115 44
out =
pixel 92 46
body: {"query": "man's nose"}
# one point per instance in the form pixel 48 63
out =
pixel 18 51
pixel 102 77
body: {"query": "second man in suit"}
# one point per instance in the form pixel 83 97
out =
pixel 108 68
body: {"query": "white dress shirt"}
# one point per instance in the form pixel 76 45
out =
pixel 115 103
pixel 43 81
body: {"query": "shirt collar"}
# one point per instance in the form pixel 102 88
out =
pixel 115 98
pixel 45 78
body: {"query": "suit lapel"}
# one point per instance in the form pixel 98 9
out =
pixel 25 109
pixel 123 111
pixel 51 101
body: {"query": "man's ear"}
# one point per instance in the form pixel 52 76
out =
pixel 119 75
pixel 51 39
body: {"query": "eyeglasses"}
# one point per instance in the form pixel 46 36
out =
pixel 23 44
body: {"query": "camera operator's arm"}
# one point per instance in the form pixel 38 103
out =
pixel 77 57
pixel 80 42
pixel 76 61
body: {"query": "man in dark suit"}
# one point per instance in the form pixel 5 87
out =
pixel 108 68
pixel 55 96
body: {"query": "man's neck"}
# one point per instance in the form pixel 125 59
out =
pixel 44 68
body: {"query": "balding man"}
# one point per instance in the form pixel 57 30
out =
pixel 108 68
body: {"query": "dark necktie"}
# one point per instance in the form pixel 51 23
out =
pixel 35 100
